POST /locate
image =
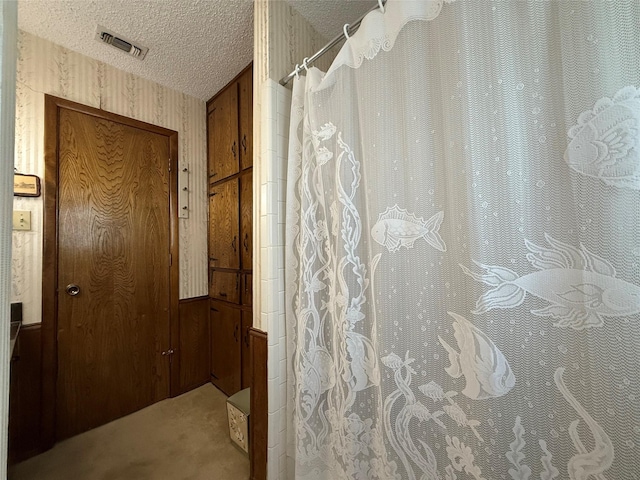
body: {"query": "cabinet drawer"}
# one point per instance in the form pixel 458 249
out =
pixel 224 286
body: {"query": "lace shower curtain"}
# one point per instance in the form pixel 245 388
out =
pixel 463 246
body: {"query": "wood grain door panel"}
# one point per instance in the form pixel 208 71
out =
pixel 114 243
pixel 246 220
pixel 224 147
pixel 245 85
pixel 224 241
pixel 225 347
pixel 225 286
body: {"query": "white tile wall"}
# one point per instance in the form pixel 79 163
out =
pixel 275 121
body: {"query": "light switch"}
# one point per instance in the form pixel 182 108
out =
pixel 21 220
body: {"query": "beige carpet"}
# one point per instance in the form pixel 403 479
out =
pixel 183 438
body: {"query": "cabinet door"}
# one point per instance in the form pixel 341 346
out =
pixel 247 323
pixel 225 286
pixel 224 146
pixel 224 241
pixel 226 347
pixel 247 289
pixel 246 220
pixel 246 119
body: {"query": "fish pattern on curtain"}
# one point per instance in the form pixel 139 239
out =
pixel 463 246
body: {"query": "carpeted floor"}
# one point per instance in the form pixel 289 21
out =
pixel 183 438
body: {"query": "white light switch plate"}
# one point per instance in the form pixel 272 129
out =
pixel 21 220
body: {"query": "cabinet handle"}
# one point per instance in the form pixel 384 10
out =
pixel 245 285
pixel 244 143
pixel 233 149
pixel 246 242
pixel 235 332
pixel 214 310
pixel 233 244
pixel 222 294
pixel 212 194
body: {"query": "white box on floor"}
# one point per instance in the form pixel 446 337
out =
pixel 238 410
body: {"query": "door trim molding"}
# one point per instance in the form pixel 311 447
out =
pixel 50 252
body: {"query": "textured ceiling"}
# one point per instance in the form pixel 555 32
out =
pixel 329 16
pixel 195 46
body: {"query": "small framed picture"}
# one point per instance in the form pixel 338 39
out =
pixel 26 185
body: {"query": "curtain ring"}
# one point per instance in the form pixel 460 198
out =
pixel 305 65
pixel 345 30
pixel 297 69
pixel 381 5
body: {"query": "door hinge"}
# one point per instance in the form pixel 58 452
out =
pixel 169 164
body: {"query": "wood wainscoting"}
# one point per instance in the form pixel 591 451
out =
pixel 193 353
pixel 259 418
pixel 25 395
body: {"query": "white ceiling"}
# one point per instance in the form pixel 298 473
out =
pixel 329 16
pixel 195 46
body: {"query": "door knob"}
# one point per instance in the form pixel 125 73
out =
pixel 72 289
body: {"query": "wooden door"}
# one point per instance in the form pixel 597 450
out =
pixel 225 347
pixel 245 85
pixel 224 241
pixel 113 270
pixel 247 323
pixel 224 147
pixel 246 220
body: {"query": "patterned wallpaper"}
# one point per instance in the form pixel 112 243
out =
pixel 44 67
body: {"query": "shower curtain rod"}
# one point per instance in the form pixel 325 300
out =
pixel 350 28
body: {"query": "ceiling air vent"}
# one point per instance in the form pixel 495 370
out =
pixel 121 43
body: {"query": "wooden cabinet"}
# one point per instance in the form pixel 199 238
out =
pixel 222 122
pixel 224 225
pixel 245 86
pixel 225 286
pixel 230 158
pixel 247 289
pixel 246 219
pixel 246 324
pixel 226 348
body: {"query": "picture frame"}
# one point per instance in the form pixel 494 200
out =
pixel 26 185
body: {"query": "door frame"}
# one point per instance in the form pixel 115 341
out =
pixel 52 106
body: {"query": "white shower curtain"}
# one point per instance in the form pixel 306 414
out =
pixel 463 246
